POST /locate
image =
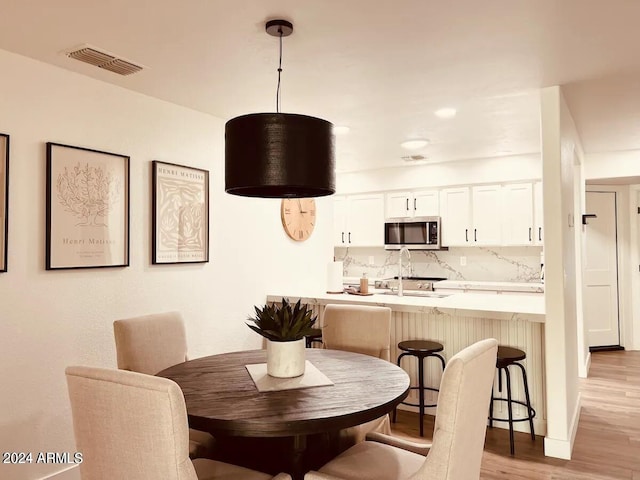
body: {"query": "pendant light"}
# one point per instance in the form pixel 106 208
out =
pixel 279 155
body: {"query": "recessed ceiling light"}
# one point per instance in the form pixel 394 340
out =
pixel 340 129
pixel 415 143
pixel 445 112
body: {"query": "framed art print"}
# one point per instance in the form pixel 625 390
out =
pixel 180 214
pixel 87 208
pixel 4 200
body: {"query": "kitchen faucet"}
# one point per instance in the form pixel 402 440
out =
pixel 402 250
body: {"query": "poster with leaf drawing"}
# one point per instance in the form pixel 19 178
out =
pixel 180 214
pixel 4 199
pixel 87 208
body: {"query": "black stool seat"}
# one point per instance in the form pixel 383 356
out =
pixel 420 346
pixel 314 336
pixel 510 356
pixel 420 349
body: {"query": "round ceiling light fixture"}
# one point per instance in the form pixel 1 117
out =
pixel 279 155
pixel 447 112
pixel 414 144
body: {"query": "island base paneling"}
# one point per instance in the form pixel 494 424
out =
pixel 456 333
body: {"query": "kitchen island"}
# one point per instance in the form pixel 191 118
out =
pixel 456 321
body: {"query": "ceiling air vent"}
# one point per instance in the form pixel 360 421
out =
pixel 103 60
pixel 413 158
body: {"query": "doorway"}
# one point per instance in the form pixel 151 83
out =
pixel 601 310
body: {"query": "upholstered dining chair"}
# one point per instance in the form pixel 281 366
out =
pixel 151 343
pixel 458 436
pixel 133 426
pixel 360 329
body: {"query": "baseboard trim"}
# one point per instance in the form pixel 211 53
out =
pixel 587 364
pixel 69 473
pixel 562 448
pixel 606 348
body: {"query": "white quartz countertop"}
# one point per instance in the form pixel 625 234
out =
pixel 499 286
pixel 502 307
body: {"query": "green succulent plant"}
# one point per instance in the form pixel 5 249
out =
pixel 283 323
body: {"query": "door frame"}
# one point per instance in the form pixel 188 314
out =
pixel 633 328
pixel 624 255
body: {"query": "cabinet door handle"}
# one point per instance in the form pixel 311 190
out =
pixel 407 204
pixel 529 233
pixel 414 204
pixel 475 235
pixel 466 234
pixel 342 237
pixel 540 233
pixel 349 237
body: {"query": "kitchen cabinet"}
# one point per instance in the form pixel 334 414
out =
pixel 471 216
pixel 455 210
pixel 421 203
pixel 358 220
pixel 538 215
pixel 517 223
pixel 486 215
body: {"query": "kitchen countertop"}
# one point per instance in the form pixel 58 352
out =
pixel 499 286
pixel 502 307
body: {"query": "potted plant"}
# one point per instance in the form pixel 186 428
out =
pixel 284 327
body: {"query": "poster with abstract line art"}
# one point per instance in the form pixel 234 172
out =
pixel 87 208
pixel 180 214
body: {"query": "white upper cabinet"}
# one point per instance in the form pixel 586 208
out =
pixel 455 210
pixel 538 214
pixel 359 220
pixel 422 203
pixel 518 226
pixel 487 215
pixel 339 219
pixel 426 203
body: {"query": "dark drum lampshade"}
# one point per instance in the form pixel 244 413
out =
pixel 279 155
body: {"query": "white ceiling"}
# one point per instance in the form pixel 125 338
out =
pixel 380 67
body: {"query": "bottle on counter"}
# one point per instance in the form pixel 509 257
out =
pixel 364 284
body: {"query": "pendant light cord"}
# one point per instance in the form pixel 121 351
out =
pixel 278 100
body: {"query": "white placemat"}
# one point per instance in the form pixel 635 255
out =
pixel 312 377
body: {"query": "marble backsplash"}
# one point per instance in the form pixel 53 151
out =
pixel 494 264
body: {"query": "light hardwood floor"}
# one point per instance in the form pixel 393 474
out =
pixel 607 445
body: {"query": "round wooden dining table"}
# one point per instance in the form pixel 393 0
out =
pixel 221 397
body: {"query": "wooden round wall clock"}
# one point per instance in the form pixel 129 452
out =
pixel 298 217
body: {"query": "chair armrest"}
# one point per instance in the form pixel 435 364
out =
pixel 319 476
pixel 415 447
pixel 282 476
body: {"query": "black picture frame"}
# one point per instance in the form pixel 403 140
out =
pixel 4 201
pixel 180 214
pixel 87 197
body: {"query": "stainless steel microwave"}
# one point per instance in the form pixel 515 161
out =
pixel 417 233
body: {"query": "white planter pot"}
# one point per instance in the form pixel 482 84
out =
pixel 285 359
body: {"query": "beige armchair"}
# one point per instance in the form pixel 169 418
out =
pixel 458 436
pixel 151 343
pixel 133 426
pixel 360 329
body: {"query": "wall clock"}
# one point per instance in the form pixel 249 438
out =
pixel 298 217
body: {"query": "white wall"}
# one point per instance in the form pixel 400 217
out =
pixel 489 170
pixel 51 319
pixel 561 151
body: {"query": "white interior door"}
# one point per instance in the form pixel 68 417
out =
pixel 601 271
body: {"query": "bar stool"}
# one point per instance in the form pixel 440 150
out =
pixel 315 336
pixel 508 356
pixel 421 349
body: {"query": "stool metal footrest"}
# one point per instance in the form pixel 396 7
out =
pixel 417 404
pixel 532 412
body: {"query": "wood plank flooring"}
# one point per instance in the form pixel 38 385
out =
pixel 607 445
